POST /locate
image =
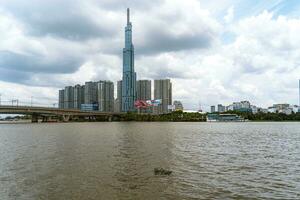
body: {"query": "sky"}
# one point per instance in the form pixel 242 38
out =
pixel 213 51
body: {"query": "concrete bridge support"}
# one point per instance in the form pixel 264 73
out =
pixel 46 119
pixel 66 118
pixel 34 118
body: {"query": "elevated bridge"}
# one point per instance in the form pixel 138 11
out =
pixel 63 114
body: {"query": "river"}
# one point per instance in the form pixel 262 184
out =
pixel 115 160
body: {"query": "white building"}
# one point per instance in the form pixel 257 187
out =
pixel 178 106
pixel 295 108
pixel 254 109
pixel 282 108
pixel 229 108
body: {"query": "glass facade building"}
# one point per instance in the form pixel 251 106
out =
pixel 129 75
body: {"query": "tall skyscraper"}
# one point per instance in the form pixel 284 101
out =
pixel 129 75
pixel 143 90
pixel 163 91
pixel 213 109
pixel 105 90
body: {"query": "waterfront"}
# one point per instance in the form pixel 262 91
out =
pixel 116 160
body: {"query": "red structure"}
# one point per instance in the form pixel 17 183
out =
pixel 141 104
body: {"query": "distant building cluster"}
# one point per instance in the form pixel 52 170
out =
pixel 283 108
pixel 91 96
pixel 100 95
pixel 246 106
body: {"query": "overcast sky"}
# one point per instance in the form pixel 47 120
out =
pixel 214 51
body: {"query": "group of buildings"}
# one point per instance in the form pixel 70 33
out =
pixel 100 95
pixel 246 106
pixel 91 96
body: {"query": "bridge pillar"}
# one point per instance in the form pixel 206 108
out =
pixel 34 118
pixel 66 118
pixel 46 118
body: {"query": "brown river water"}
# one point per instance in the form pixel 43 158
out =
pixel 116 160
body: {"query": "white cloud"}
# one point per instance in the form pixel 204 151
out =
pixel 181 40
pixel 230 15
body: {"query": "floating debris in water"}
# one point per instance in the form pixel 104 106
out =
pixel 161 171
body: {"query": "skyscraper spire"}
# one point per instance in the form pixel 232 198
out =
pixel 128 16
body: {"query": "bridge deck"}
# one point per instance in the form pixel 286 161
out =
pixel 28 110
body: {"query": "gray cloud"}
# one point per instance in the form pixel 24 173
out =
pixel 66 19
pixel 14 76
pixel 157 41
pixel 34 63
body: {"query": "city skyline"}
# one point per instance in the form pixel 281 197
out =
pixel 225 53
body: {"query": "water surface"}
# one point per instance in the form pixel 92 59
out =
pixel 116 160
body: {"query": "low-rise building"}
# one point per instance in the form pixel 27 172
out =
pixel 221 108
pixel 178 106
pixel 254 109
pixel 215 117
pixel 243 106
pixel 229 108
pixel 263 110
pixel 281 108
pixel 295 108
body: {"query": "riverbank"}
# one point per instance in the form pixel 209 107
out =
pixel 177 116
pixel 15 122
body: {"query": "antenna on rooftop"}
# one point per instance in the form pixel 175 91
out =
pixel 128 16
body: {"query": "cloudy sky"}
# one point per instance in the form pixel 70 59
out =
pixel 214 51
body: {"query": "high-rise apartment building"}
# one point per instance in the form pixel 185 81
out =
pixel 143 90
pixel 69 97
pixel 90 93
pixel 118 102
pixel 105 91
pixel 213 109
pixel 163 91
pixel 221 108
pixel 78 96
pixel 61 97
pixel 129 75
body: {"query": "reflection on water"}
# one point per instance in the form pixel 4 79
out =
pixel 116 161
